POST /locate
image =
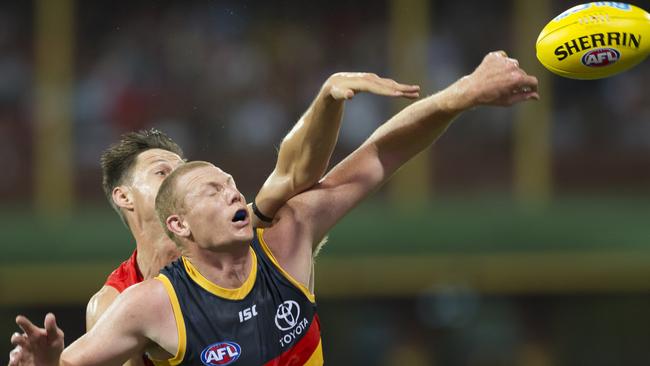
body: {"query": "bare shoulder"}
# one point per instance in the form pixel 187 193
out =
pixel 289 240
pixel 147 294
pixel 98 304
pixel 143 295
pixel 140 300
pixel 287 228
pixel 139 310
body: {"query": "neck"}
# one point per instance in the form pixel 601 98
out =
pixel 226 267
pixel 155 249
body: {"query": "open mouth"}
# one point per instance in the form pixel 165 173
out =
pixel 240 215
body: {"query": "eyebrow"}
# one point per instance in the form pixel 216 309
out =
pixel 155 163
pixel 215 184
pixel 159 161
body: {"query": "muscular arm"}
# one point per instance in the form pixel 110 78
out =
pixel 97 305
pixel 305 152
pixel 139 320
pixel 306 218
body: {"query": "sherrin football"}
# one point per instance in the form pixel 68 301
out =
pixel 595 40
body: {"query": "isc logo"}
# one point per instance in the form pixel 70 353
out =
pixel 222 353
pixel 600 57
pixel 247 313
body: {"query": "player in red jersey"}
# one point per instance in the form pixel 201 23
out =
pixel 134 168
pixel 200 206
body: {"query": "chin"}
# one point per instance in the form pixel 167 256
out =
pixel 246 233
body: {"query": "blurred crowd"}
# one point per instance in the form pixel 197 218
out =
pixel 227 79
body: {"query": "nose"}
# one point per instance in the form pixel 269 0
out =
pixel 233 196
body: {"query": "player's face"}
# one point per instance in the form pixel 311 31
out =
pixel 150 169
pixel 213 208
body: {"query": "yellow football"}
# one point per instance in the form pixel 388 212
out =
pixel 595 40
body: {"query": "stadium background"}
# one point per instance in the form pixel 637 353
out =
pixel 521 238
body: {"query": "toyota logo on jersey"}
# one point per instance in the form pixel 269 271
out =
pixel 222 353
pixel 286 317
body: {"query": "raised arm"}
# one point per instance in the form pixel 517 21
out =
pixel 497 81
pixel 306 218
pixel 305 152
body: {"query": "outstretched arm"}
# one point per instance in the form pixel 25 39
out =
pixel 305 152
pixel 306 218
pixel 498 81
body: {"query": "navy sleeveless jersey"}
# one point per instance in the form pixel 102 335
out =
pixel 270 320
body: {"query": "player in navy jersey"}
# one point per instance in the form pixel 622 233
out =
pixel 260 277
pixel 134 167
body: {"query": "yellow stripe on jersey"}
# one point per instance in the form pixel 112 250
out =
pixel 226 293
pixel 180 325
pixel 267 250
pixel 316 358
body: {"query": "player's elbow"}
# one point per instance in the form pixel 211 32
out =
pixel 306 177
pixel 91 312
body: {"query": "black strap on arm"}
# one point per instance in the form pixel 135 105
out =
pixel 260 215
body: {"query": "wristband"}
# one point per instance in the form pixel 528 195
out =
pixel 260 215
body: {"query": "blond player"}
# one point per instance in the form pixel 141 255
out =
pixel 223 256
pixel 134 168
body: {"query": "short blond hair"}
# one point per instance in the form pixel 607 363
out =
pixel 167 201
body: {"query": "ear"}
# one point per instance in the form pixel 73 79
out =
pixel 122 197
pixel 178 226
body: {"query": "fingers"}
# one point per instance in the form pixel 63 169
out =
pixel 390 87
pixel 15 356
pixel 521 97
pixel 405 90
pixel 51 329
pixel 344 86
pixel 27 326
pixel 527 85
pixel 19 340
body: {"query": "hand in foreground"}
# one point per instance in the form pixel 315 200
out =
pixel 36 346
pixel 498 81
pixel 345 85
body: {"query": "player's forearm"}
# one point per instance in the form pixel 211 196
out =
pixel 92 350
pixel 307 149
pixel 304 153
pixel 417 126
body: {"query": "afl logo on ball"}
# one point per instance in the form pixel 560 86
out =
pixel 222 353
pixel 600 57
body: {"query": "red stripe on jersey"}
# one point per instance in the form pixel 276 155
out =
pixel 302 350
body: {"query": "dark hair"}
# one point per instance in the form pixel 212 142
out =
pixel 119 158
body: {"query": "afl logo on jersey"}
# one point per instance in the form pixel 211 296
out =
pixel 286 317
pixel 222 353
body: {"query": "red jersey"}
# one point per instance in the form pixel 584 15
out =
pixel 127 275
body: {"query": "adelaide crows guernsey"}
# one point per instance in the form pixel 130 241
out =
pixel 270 320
